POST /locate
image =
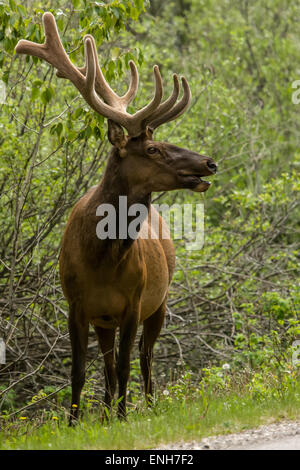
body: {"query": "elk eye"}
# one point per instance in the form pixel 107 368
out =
pixel 152 150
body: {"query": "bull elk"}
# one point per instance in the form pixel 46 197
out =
pixel 122 282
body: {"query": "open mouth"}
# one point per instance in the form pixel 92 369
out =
pixel 194 181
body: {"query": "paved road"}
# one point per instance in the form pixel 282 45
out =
pixel 287 443
pixel 282 435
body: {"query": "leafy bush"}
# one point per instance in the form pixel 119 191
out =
pixel 236 301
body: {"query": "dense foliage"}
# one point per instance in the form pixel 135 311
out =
pixel 237 299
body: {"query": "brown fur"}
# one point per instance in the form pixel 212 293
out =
pixel 114 284
pixel 124 282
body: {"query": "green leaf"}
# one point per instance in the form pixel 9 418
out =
pixel 88 132
pixel 47 95
pixel 59 128
pixel 34 93
pixel 12 5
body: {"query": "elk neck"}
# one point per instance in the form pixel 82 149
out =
pixel 113 185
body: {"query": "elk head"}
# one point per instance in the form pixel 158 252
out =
pixel 156 166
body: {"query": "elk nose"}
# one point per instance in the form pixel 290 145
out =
pixel 211 166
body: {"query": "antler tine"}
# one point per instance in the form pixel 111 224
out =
pixel 145 112
pixel 134 83
pixel 102 87
pixel 177 110
pixel 90 82
pixel 90 64
pixel 168 103
pixel 133 123
pixel 90 95
pixel 52 50
pixel 105 91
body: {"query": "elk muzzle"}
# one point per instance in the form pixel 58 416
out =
pixel 195 167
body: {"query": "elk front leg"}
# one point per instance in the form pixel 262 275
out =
pixel 127 335
pixel 106 339
pixel 78 329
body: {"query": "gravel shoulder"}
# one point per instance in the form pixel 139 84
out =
pixel 284 435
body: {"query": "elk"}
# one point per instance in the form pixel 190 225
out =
pixel 122 282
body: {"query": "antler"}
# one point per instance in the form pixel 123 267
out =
pixel 91 83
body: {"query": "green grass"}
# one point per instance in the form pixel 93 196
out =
pixel 171 419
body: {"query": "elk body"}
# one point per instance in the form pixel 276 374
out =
pixel 122 282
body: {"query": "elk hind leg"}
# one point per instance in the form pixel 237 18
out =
pixel 151 330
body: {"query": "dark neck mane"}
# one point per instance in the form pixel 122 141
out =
pixel 112 186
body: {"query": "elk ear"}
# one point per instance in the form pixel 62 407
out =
pixel 117 137
pixel 149 132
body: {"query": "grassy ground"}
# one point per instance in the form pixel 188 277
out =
pixel 173 418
